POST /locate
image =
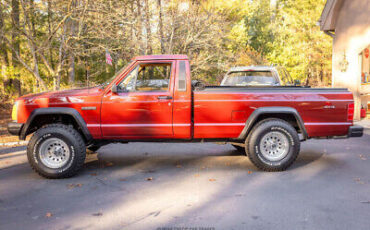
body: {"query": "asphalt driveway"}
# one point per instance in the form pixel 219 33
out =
pixel 178 186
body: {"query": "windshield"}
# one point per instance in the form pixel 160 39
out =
pixel 249 78
pixel 105 84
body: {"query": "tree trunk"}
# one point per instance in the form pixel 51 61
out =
pixel 15 40
pixel 139 27
pixel 72 31
pixel 173 30
pixel 132 29
pixel 3 52
pixel 60 64
pixel 149 49
pixel 15 22
pixel 33 29
pixel 160 26
pixel 71 69
pixel 50 15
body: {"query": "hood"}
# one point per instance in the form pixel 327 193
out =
pixel 64 95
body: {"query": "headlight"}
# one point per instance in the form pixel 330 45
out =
pixel 14 111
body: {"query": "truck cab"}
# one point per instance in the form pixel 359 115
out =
pixel 151 99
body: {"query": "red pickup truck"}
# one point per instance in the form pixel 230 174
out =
pixel 154 99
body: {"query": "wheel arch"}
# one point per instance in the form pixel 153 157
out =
pixel 288 114
pixel 43 116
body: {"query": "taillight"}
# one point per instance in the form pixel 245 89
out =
pixel 350 111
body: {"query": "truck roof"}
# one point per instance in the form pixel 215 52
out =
pixel 160 57
pixel 253 68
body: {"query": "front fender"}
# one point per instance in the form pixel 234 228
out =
pixel 56 111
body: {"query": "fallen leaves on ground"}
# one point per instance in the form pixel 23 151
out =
pixel 211 179
pixel 250 172
pixel 97 214
pixel 358 180
pixel 108 164
pixel 93 174
pixel 48 214
pixel 149 178
pixel 71 186
pixel 196 175
pixel 362 157
pixel 122 179
pixel 178 166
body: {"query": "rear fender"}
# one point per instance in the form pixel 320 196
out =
pixel 273 111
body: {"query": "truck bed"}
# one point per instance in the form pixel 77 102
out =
pixel 268 88
pixel 223 110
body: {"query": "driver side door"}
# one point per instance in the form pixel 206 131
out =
pixel 142 106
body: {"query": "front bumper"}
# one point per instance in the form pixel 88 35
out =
pixel 15 128
pixel 355 131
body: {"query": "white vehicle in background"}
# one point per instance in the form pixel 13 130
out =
pixel 258 76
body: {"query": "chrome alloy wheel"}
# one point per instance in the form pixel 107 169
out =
pixel 274 146
pixel 54 153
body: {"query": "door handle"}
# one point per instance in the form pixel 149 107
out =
pixel 164 97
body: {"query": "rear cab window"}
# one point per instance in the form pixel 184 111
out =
pixel 284 76
pixel 250 78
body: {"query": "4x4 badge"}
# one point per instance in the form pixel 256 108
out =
pixel 88 108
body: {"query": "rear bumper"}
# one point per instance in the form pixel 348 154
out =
pixel 15 128
pixel 355 131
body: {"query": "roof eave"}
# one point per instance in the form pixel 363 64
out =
pixel 329 15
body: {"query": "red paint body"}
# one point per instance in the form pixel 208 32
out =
pixel 216 114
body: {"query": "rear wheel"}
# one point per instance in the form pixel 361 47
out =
pixel 56 151
pixel 273 145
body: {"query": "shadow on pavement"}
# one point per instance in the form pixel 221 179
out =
pixel 8 150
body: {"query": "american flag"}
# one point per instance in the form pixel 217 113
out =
pixel 108 58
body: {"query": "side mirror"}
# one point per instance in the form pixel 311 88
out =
pixel 114 89
pixel 297 82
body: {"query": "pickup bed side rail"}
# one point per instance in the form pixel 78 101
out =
pixel 272 110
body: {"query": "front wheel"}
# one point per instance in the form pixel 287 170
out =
pixel 273 145
pixel 56 151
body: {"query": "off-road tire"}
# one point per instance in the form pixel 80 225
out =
pixel 259 131
pixel 69 136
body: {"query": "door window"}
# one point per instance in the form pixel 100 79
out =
pixel 153 77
